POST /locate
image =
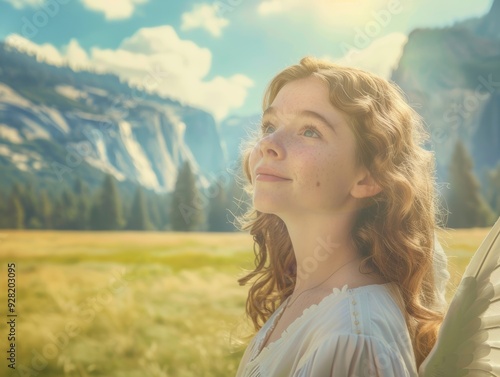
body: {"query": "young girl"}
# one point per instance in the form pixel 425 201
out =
pixel 344 217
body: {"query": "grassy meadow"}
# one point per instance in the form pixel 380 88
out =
pixel 130 304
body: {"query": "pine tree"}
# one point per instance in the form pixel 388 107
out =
pixel 80 188
pixel 16 191
pixel 96 221
pixel 28 201
pixel 154 204
pixel 163 207
pixel 493 189
pixel 15 212
pixel 107 213
pixel 111 204
pixel 467 206
pixel 139 218
pixel 186 211
pixel 45 211
pixel 217 211
pixel 82 216
pixel 59 215
pixel 3 210
pixel 69 205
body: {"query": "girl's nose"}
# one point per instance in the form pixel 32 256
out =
pixel 271 146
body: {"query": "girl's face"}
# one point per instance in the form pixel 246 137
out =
pixel 307 142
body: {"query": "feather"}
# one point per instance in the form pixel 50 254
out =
pixel 468 341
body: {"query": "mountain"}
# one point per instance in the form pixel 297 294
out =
pixel 452 78
pixel 486 26
pixel 56 123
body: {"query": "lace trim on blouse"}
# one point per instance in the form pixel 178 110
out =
pixel 291 328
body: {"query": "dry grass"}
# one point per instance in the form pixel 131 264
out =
pixel 139 304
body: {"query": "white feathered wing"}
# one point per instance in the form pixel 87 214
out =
pixel 468 342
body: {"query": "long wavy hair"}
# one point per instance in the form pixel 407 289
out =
pixel 394 232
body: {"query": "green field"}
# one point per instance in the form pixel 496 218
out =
pixel 138 303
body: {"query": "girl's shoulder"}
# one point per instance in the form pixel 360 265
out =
pixel 367 320
pixel 358 326
pixel 371 310
pixel 378 306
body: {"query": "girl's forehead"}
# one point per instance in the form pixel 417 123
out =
pixel 307 92
pixel 302 99
pixel 310 83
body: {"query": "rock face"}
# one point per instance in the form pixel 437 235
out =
pixel 452 78
pixel 55 122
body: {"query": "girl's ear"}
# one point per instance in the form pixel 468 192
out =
pixel 365 187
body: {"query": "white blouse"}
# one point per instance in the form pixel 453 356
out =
pixel 354 332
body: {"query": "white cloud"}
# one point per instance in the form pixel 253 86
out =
pixel 115 9
pixel 268 7
pixel 112 9
pixel 331 13
pixel 367 19
pixel 204 16
pixel 380 57
pixel 156 60
pixel 20 4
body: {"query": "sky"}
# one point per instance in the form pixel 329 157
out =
pixel 220 55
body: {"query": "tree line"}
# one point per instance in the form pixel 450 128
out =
pixel 469 204
pixel 188 208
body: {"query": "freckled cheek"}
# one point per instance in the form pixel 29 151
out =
pixel 319 180
pixel 323 174
pixel 312 175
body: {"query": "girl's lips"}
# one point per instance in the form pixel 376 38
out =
pixel 270 178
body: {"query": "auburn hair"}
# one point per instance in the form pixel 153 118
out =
pixel 394 232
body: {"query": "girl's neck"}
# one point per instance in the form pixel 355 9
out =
pixel 322 244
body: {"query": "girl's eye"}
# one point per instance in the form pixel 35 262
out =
pixel 264 128
pixel 311 130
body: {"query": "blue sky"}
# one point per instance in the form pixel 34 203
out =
pixel 220 55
